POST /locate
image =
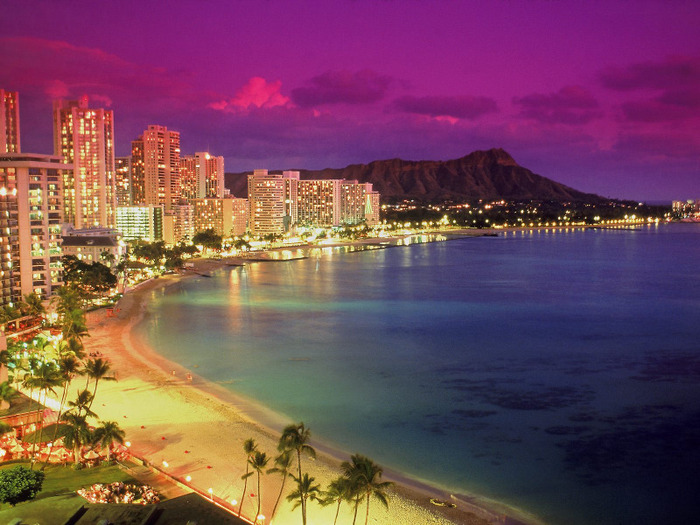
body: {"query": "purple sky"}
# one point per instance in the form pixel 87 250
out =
pixel 602 96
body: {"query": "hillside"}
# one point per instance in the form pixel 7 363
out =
pixel 488 175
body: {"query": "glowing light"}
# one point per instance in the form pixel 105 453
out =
pixel 165 464
pixel 188 478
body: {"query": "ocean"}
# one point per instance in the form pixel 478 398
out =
pixel 555 371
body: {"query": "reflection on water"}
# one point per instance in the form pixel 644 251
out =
pixel 558 372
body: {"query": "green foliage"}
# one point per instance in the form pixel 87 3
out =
pixel 19 484
pixel 208 238
pixel 92 278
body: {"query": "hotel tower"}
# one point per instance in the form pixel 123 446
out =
pixel 84 137
pixel 9 122
pixel 155 168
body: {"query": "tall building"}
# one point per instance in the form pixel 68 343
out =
pixel 178 225
pixel 358 203
pixel 201 176
pixel 9 122
pixel 266 200
pixel 216 214
pixel 155 166
pixel 140 222
pixel 31 213
pixel 319 202
pixel 122 173
pixel 84 137
pixel 291 198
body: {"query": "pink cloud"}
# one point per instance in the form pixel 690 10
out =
pixel 57 89
pixel 447 108
pixel 570 105
pixel 256 93
pixel 342 87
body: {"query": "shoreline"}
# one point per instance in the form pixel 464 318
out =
pixel 160 412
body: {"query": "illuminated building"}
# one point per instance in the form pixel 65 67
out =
pixel 201 176
pixel 140 222
pixel 155 168
pixel 84 137
pixel 31 213
pixel 9 122
pixel 122 170
pixel 291 198
pixel 266 199
pixel 319 202
pixel 217 214
pixel 178 225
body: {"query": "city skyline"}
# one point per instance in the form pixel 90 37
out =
pixel 603 97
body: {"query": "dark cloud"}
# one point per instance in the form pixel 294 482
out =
pixel 461 107
pixel 570 105
pixel 342 87
pixel 669 74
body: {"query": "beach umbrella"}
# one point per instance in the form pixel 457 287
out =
pixel 91 454
pixel 17 449
pixel 45 450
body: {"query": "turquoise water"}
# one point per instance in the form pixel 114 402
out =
pixel 558 372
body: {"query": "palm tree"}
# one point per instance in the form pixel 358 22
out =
pixel 296 437
pixel 69 367
pixel 305 490
pixel 73 324
pixel 45 378
pixel 258 461
pixel 81 406
pixel 283 463
pixel 75 433
pixel 107 434
pixel 31 304
pixel 97 369
pixel 249 447
pixel 339 490
pixel 365 476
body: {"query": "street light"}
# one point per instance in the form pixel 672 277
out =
pixel 211 493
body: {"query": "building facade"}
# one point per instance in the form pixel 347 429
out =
pixel 84 137
pixel 155 168
pixel 31 214
pixel 178 225
pixel 266 200
pixel 9 122
pixel 122 172
pixel 201 176
pixel 140 223
pixel 319 203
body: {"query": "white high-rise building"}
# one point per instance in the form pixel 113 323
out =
pixel 266 200
pixel 201 176
pixel 155 168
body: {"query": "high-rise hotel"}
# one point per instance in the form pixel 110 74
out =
pixel 84 137
pixel 9 122
pixel 155 168
pixel 201 176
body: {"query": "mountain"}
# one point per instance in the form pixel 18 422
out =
pixel 488 175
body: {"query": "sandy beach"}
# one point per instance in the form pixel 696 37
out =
pixel 195 428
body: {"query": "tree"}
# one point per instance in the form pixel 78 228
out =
pixel 296 438
pixel 75 433
pixel 45 378
pixel 97 369
pixel 7 394
pixel 249 447
pixel 81 406
pixel 339 490
pixel 208 238
pixel 283 464
pixel 32 305
pixel 19 484
pixel 107 434
pixel 365 476
pixel 305 490
pixel 258 461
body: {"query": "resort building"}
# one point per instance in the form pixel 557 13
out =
pixel 201 176
pixel 319 202
pixel 94 244
pixel 291 198
pixel 372 207
pixel 84 137
pixel 178 225
pixel 9 122
pixel 140 223
pixel 266 198
pixel 122 171
pixel 155 168
pixel 31 213
pixel 216 214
